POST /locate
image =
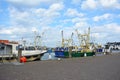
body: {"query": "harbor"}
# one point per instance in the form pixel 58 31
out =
pixel 13 50
pixel 59 39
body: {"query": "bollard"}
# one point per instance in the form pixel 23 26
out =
pixel 19 55
pixel 19 52
pixel 70 51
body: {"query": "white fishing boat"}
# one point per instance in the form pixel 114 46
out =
pixel 9 50
pixel 112 47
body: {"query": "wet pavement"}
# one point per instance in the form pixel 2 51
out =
pixel 86 68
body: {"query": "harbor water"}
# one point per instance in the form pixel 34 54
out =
pixel 49 56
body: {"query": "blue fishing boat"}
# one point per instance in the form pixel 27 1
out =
pixel 59 52
pixel 70 50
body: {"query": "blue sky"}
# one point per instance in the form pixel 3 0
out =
pixel 20 18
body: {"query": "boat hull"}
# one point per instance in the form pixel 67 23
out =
pixel 59 54
pixel 66 54
pixel 30 55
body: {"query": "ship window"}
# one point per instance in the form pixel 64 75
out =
pixel 106 47
pixel 30 48
pixel 2 48
pixel 117 49
pixel 17 48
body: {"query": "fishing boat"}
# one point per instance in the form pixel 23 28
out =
pixel 68 50
pixel 9 50
pixel 112 47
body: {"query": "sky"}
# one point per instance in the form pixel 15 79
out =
pixel 19 19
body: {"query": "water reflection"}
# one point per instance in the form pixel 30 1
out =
pixel 46 56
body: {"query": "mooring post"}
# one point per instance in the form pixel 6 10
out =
pixel 19 52
pixel 70 51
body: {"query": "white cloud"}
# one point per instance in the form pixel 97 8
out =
pixel 112 28
pixel 25 2
pixel 99 35
pixel 110 3
pixel 13 30
pixel 52 35
pixel 106 32
pixel 106 16
pixel 46 16
pixel 31 2
pixel 4 31
pixel 25 22
pixel 34 29
pixel 115 28
pixel 96 4
pixel 89 4
pixel 17 32
pixel 74 20
pixel 56 6
pixel 81 25
pixel 35 17
pixel 77 19
pixel 73 13
pixel 18 17
pixel 49 19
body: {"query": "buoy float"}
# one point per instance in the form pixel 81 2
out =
pixel 23 59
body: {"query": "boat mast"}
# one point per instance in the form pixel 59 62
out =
pixel 79 37
pixel 37 40
pixel 67 42
pixel 72 39
pixel 62 38
pixel 88 36
pixel 88 40
pixel 23 43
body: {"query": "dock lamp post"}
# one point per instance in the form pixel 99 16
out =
pixel 19 52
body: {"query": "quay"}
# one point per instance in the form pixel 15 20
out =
pixel 105 67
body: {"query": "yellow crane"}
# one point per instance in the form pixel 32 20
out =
pixel 84 40
pixel 67 42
